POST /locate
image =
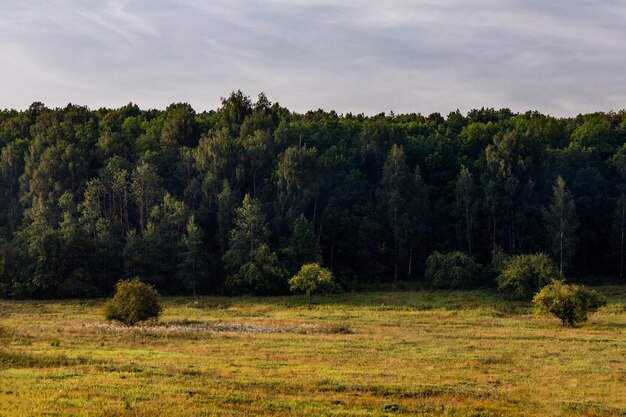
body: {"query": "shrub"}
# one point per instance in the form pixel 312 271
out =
pixel 452 270
pixel 312 278
pixel 524 275
pixel 570 303
pixel 134 301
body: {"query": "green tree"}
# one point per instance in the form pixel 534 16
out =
pixel 133 254
pixel 162 240
pixel 311 279
pixel 226 203
pixel 257 147
pixel 11 166
pixel 250 228
pixel 115 193
pixel 302 246
pixel 180 128
pixel 561 223
pixel 108 259
pixel 76 250
pixel 570 303
pixel 50 171
pixel 466 205
pixel 297 182
pixel 418 214
pixel 146 190
pixel 260 273
pixel 252 266
pixel 191 266
pixel 619 214
pixel 523 275
pixel 216 154
pixel 394 185
pixel 41 246
pixel 235 108
pixel 619 230
pixel 516 162
pixel 452 270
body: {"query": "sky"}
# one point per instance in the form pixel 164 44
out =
pixel 561 57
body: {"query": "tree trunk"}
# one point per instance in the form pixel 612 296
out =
pixel 395 271
pixel 493 235
pixel 468 227
pixel 141 217
pixel 562 226
pixel 315 209
pixel 410 260
pixel 621 252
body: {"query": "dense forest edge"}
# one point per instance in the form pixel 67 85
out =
pixel 236 200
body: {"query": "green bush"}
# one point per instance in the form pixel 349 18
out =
pixel 524 275
pixel 570 303
pixel 452 270
pixel 312 278
pixel 134 301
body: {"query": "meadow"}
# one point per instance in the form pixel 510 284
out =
pixel 466 353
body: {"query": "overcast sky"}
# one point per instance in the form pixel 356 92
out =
pixel 561 57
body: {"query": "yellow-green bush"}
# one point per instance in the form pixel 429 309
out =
pixel 524 275
pixel 134 301
pixel 312 278
pixel 570 303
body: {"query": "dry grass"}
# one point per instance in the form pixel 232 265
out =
pixel 406 354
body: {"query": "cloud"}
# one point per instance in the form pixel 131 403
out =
pixel 560 57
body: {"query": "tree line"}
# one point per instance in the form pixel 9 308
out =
pixel 237 199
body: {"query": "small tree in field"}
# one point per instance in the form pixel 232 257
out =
pixel 524 275
pixel 312 278
pixel 134 301
pixel 570 303
pixel 452 270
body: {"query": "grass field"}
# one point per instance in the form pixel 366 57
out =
pixel 413 353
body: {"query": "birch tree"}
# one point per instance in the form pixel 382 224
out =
pixel 561 223
pixel 466 205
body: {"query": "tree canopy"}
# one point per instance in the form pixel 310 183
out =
pixel 238 199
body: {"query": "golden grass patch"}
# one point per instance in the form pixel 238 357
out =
pixel 381 354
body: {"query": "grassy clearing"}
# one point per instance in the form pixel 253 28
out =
pixel 382 354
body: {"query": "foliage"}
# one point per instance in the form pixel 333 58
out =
pixel 192 263
pixel 302 246
pixel 569 302
pixel 311 279
pixel 452 270
pixel 466 206
pixel 253 267
pixel 561 224
pixel 258 273
pixel 524 275
pixel 134 301
pixel 87 196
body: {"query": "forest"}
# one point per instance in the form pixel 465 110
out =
pixel 235 200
